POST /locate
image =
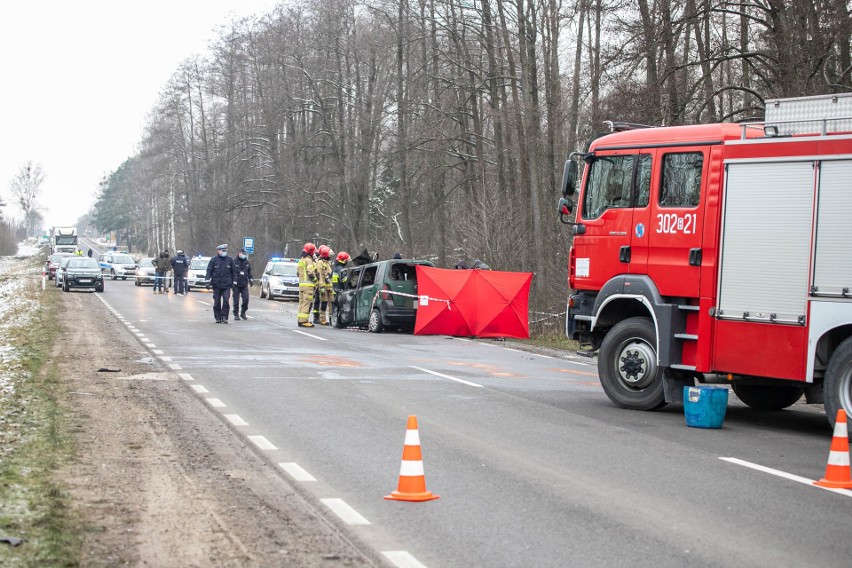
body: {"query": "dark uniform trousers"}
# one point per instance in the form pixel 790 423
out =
pixel 221 302
pixel 241 293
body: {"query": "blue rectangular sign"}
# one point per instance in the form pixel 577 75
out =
pixel 248 244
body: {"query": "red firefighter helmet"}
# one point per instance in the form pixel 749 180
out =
pixel 324 251
pixel 310 248
pixel 343 256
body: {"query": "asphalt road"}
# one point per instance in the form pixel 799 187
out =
pixel 533 464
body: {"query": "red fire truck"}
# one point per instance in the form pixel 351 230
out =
pixel 717 252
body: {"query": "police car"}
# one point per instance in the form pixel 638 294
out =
pixel 279 279
pixel 196 276
pixel 117 265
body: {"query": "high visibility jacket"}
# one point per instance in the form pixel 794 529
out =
pixel 324 273
pixel 336 269
pixel 307 272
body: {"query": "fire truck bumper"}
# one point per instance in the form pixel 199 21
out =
pixel 578 320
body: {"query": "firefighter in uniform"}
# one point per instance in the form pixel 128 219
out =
pixel 323 291
pixel 307 271
pixel 337 281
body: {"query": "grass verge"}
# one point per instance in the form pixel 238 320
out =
pixel 33 442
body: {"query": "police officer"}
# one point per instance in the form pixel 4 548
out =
pixel 220 273
pixel 323 289
pixel 242 280
pixel 307 271
pixel 180 265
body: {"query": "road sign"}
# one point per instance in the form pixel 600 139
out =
pixel 248 244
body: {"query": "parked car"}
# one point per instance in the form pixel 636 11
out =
pixel 53 263
pixel 82 272
pixel 196 276
pixel 378 295
pixel 145 271
pixel 60 272
pixel 279 279
pixel 117 264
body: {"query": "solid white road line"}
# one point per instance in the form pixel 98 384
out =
pixel 456 379
pixel 296 471
pixel 346 513
pixel 215 403
pixel 310 335
pixel 199 389
pixel 236 420
pixel 262 443
pixel 403 559
pixel 785 475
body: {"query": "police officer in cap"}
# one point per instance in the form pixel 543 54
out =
pixel 242 280
pixel 220 272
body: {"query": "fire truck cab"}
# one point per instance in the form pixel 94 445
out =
pixel 717 252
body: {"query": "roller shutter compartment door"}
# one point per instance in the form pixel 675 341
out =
pixel 766 241
pixel 833 250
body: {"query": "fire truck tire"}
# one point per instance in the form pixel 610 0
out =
pixel 627 366
pixel 837 388
pixel 767 397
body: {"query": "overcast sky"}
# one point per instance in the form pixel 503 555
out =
pixel 79 78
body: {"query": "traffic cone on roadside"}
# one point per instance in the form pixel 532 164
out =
pixel 837 472
pixel 412 480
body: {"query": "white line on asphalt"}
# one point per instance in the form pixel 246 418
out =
pixel 403 559
pixel 456 379
pixel 785 475
pixel 236 420
pixel 347 514
pixel 215 403
pixel 262 443
pixel 186 376
pixel 175 367
pixel 310 335
pixel 159 352
pixel 199 389
pixel 162 357
pixel 296 471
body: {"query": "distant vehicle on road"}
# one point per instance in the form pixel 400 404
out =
pixel 53 263
pixel 60 271
pixel 82 272
pixel 378 295
pixel 196 276
pixel 145 271
pixel 117 265
pixel 279 279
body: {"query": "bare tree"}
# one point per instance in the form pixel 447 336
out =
pixel 26 188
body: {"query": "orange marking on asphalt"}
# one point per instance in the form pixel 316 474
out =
pixel 331 361
pixel 574 372
pixel 492 370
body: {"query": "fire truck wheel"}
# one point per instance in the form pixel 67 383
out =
pixel 767 397
pixel 627 365
pixel 837 388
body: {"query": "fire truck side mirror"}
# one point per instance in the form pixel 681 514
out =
pixel 569 178
pixel 566 208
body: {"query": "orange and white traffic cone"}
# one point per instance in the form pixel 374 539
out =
pixel 837 472
pixel 412 480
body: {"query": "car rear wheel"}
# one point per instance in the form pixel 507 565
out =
pixel 335 318
pixel 262 293
pixel 375 325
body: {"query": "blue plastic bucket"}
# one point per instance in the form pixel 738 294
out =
pixel 704 406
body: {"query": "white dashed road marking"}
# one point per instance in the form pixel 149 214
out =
pixel 403 559
pixel 346 513
pixel 262 443
pixel 215 403
pixel 199 389
pixel 296 472
pixel 236 420
pixel 456 379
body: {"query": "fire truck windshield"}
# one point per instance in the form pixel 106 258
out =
pixel 611 184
